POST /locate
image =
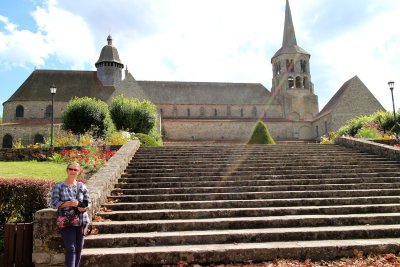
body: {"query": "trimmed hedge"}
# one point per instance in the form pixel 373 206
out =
pixel 261 135
pixel 21 198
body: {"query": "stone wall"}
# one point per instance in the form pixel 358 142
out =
pixel 32 109
pixel 220 111
pixel 26 131
pixel 382 150
pixel 47 244
pixel 231 130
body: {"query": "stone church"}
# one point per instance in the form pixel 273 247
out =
pixel 195 110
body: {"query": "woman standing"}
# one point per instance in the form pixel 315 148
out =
pixel 68 195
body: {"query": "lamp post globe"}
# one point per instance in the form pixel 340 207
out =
pixel 53 90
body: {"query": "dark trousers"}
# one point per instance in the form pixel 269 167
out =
pixel 73 244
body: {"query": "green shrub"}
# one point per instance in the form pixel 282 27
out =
pixel 145 140
pixel 261 135
pixel 368 132
pixel 21 198
pixel 87 114
pixel 133 115
pixel 385 119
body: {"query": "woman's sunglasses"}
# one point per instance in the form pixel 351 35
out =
pixel 72 169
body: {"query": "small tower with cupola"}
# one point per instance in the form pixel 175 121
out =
pixel 109 66
pixel 291 82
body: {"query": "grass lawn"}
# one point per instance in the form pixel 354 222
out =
pixel 32 169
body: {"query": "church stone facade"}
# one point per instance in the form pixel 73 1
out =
pixel 195 110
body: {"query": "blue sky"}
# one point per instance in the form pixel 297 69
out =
pixel 204 40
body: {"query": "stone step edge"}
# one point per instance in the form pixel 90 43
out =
pixel 263 218
pixel 250 209
pixel 228 253
pixel 247 231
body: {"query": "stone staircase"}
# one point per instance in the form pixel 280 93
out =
pixel 233 203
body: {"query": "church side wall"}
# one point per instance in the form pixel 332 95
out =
pixel 220 111
pixel 233 130
pixel 32 110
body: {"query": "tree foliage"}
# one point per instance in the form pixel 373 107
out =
pixel 87 114
pixel 133 115
pixel 261 135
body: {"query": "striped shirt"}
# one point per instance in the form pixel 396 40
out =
pixel 62 193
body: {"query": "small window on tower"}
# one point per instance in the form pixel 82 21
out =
pixel 290 82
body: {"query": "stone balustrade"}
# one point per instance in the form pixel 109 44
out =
pixel 384 150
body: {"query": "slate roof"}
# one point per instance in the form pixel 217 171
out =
pixel 335 100
pixel 69 84
pixel 109 53
pixel 210 93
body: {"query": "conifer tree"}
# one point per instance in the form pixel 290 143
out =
pixel 261 135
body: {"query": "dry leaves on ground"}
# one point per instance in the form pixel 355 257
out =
pixel 359 260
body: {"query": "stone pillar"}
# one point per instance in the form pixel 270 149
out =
pixel 48 249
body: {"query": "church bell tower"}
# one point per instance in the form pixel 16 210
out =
pixel 291 82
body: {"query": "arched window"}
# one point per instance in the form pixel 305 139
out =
pixel 228 111
pixel 298 82
pixel 291 82
pixel 254 111
pixel 19 111
pixel 202 112
pixel 188 112
pixel 175 111
pixel 305 83
pixel 47 112
pixel 215 112
pixel 241 112
pixel 303 66
pixel 39 139
pixel 7 141
pixel 161 112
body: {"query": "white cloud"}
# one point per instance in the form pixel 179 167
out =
pixel 371 52
pixel 60 34
pixel 19 47
pixel 67 35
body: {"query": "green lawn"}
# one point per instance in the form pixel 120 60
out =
pixel 32 169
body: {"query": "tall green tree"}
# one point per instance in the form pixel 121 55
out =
pixel 261 134
pixel 87 114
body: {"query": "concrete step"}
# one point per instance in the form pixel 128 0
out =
pixel 236 189
pixel 170 214
pixel 253 203
pixel 257 182
pixel 241 236
pixel 256 168
pixel 130 178
pixel 286 221
pixel 239 252
pixel 299 171
pixel 257 195
pixel 255 163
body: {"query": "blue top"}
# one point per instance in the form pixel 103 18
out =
pixel 62 192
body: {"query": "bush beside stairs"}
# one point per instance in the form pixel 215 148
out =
pixel 233 203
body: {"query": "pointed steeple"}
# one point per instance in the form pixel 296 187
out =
pixel 289 36
pixel 289 43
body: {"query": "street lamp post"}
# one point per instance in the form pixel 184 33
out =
pixel 53 90
pixel 391 86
